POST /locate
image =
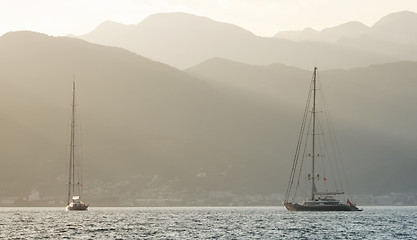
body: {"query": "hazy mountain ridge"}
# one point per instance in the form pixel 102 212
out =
pixel 374 103
pixel 111 31
pixel 115 86
pixel 393 35
pixel 396 27
pixel 145 125
pixel 332 34
pixel 184 40
pixel 152 131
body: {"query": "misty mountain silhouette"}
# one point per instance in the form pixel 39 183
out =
pixel 144 109
pixel 394 35
pixel 397 27
pixel 184 40
pixel 400 27
pixel 332 34
pixel 152 130
pixel 145 124
pixel 372 109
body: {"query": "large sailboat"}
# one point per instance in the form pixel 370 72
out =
pixel 309 178
pixel 74 202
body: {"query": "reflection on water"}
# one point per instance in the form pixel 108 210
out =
pixel 205 223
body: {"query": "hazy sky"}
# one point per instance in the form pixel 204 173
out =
pixel 262 17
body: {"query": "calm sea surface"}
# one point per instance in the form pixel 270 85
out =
pixel 207 223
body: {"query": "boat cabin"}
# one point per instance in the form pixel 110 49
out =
pixel 326 201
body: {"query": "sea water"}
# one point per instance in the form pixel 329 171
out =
pixel 207 223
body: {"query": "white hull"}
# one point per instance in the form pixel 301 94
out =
pixel 78 207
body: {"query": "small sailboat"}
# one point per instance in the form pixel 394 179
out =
pixel 308 174
pixel 74 202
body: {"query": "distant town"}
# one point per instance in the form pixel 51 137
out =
pixel 212 198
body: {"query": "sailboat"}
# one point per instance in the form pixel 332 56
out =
pixel 318 192
pixel 74 202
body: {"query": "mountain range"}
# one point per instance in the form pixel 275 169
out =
pixel 145 124
pixel 393 36
pixel 396 27
pixel 227 123
pixel 150 130
pixel 373 104
pixel 168 37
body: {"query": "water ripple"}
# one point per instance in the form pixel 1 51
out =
pixel 207 223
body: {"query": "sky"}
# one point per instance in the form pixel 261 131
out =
pixel 262 17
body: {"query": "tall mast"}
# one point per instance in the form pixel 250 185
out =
pixel 313 185
pixel 73 136
pixel 72 147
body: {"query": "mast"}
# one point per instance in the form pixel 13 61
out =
pixel 72 147
pixel 313 184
